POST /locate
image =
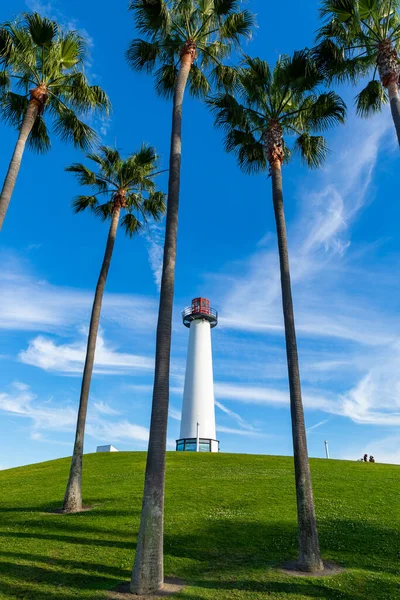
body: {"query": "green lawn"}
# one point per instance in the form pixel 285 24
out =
pixel 230 519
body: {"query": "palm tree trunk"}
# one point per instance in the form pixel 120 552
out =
pixel 309 552
pixel 148 568
pixel 73 494
pixel 394 97
pixel 9 183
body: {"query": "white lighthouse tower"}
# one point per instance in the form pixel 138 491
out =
pixel 198 412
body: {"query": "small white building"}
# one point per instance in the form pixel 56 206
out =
pixel 108 448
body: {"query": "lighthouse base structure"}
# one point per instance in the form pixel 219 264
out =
pixel 192 445
pixel 197 432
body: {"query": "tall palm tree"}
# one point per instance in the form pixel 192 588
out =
pixel 183 45
pixel 270 108
pixel 118 185
pixel 41 79
pixel 361 38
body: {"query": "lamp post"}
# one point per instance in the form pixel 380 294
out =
pixel 326 449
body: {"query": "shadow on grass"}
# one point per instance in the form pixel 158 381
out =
pixel 59 563
pixel 99 506
pixel 353 544
pixel 25 591
pixel 221 554
pixel 69 539
pixel 319 589
pixel 33 581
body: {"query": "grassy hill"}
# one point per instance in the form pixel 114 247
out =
pixel 229 520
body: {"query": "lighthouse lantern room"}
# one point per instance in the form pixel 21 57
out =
pixel 197 432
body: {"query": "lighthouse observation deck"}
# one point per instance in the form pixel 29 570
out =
pixel 200 309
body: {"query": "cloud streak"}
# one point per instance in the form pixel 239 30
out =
pixel 44 353
pixel 47 416
pixel 28 303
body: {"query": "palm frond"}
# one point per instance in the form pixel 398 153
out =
pixel 6 43
pixel 327 110
pixel 312 149
pixel 343 9
pixel 255 80
pixel 39 140
pixel 13 108
pixel 367 8
pixel 85 98
pixel 252 158
pixel 104 211
pixel 228 112
pixel 82 203
pixel 225 7
pixel 199 86
pixel 87 177
pixel 143 55
pixel 72 50
pixel 155 205
pixel 237 25
pixel 225 77
pixel 150 16
pixel 165 79
pixel 131 224
pixel 146 159
pixel 298 72
pixel 371 99
pixel 42 30
pixel 5 81
pixel 71 129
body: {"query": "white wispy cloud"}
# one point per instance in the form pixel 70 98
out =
pixel 121 431
pixel 104 409
pixel 174 413
pixel 317 425
pixel 375 398
pixel 243 432
pixel 46 354
pixel 28 303
pixel 235 416
pixel 22 402
pixel 269 396
pixel 46 9
pixel 45 416
pixel 154 236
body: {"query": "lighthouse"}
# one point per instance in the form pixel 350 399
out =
pixel 198 412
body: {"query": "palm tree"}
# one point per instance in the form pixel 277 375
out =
pixel 42 79
pixel 183 45
pixel 270 108
pixel 119 184
pixel 361 38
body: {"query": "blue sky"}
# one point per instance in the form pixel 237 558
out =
pixel 344 245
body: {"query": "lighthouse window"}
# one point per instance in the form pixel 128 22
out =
pixel 190 447
pixel 180 446
pixel 204 447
